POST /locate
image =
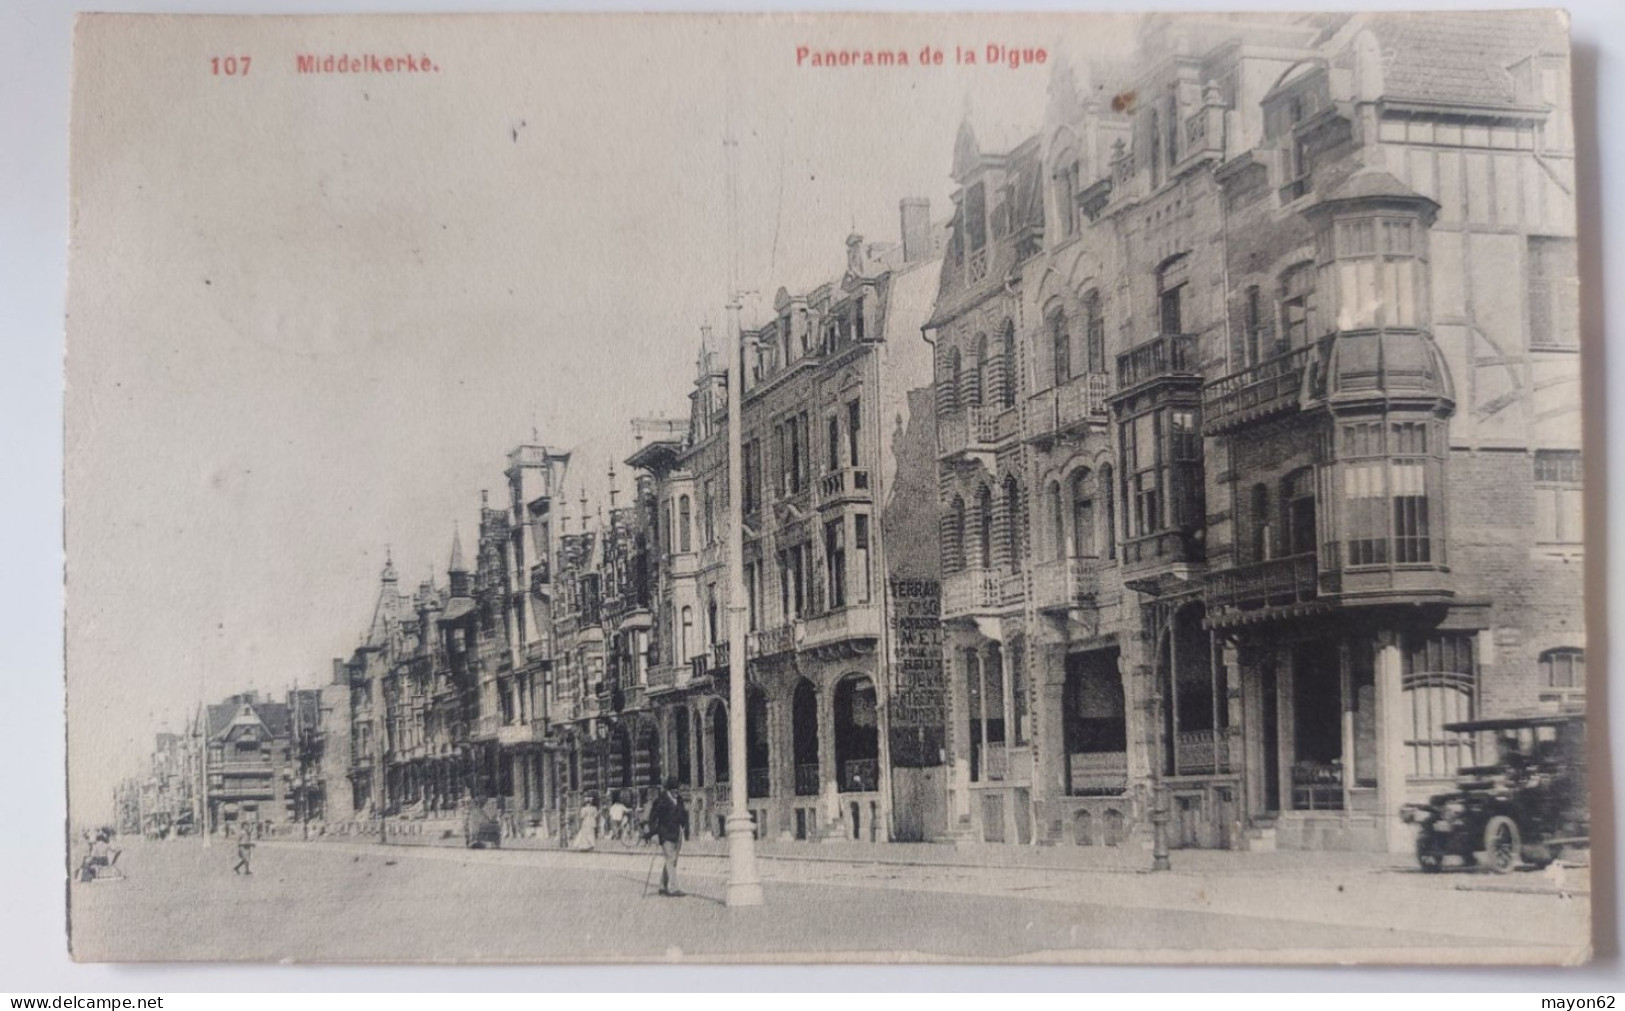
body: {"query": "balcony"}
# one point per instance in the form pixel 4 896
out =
pixel 1069 408
pixel 1064 583
pixel 539 651
pixel 534 732
pixel 1279 582
pixel 662 677
pixel 1166 547
pixel 967 432
pixel 847 484
pixel 721 652
pixel 1169 356
pixel 972 591
pixel 1267 389
pixel 858 621
pixel 1201 753
pixel 772 641
pixel 1097 773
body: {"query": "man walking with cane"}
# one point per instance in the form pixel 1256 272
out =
pixel 668 818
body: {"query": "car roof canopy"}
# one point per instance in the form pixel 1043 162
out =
pixel 1513 723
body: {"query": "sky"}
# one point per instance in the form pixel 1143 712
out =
pixel 309 315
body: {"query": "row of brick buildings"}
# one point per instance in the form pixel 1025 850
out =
pixel 1219 447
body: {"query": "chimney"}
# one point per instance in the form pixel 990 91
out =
pixel 916 215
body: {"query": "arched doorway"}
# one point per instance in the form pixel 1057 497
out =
pixel 804 738
pixel 685 767
pixel 857 735
pixel 719 741
pixel 758 780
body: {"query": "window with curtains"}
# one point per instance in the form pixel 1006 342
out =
pixel 984 524
pixel 1439 686
pixel 835 562
pixel 685 536
pixel 1553 292
pixel 1253 348
pixel 854 422
pixel 1014 521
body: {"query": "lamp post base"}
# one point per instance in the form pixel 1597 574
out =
pixel 744 887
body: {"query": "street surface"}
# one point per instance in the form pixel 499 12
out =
pixel 330 901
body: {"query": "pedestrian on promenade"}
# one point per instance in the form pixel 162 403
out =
pixel 587 832
pixel 668 820
pixel 245 852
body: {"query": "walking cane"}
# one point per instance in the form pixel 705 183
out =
pixel 653 859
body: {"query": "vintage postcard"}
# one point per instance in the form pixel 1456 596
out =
pixel 970 488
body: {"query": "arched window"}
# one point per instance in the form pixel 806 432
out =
pixel 1108 498
pixel 1083 514
pixel 1007 366
pixel 1094 322
pixel 685 538
pixel 948 401
pixel 1564 667
pixel 1013 523
pixel 1057 520
pixel 954 542
pixel 688 634
pixel 978 379
pixel 984 519
pixel 1060 346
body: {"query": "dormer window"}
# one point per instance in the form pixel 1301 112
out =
pixel 1066 197
pixel 976 217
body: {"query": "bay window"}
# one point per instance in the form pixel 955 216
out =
pixel 1392 475
pixel 1379 265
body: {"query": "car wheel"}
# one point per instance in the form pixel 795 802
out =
pixel 1501 844
pixel 1429 856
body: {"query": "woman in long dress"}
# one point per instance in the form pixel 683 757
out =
pixel 587 833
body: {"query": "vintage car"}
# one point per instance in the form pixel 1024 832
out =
pixel 1524 809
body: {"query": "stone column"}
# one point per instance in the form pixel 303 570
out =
pixel 1392 725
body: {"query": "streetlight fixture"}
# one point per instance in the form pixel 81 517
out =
pixel 744 885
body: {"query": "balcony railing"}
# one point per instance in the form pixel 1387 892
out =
pixel 857 621
pixel 807 779
pixel 1200 753
pixel 972 591
pixel 773 641
pixel 1166 547
pixel 720 653
pixel 848 484
pixel 860 775
pixel 1083 399
pixel 1279 582
pixel 1268 388
pixel 971 429
pixel 522 733
pixel 662 677
pixel 1062 583
pixel 1098 773
pixel 1158 358
pixel 758 783
pixel 976 266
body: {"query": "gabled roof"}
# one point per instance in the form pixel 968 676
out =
pixel 1461 57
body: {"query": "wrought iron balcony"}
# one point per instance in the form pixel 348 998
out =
pixel 1097 773
pixel 1070 407
pixel 1063 583
pixel 1163 357
pixel 1269 388
pixel 1279 582
pixel 720 654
